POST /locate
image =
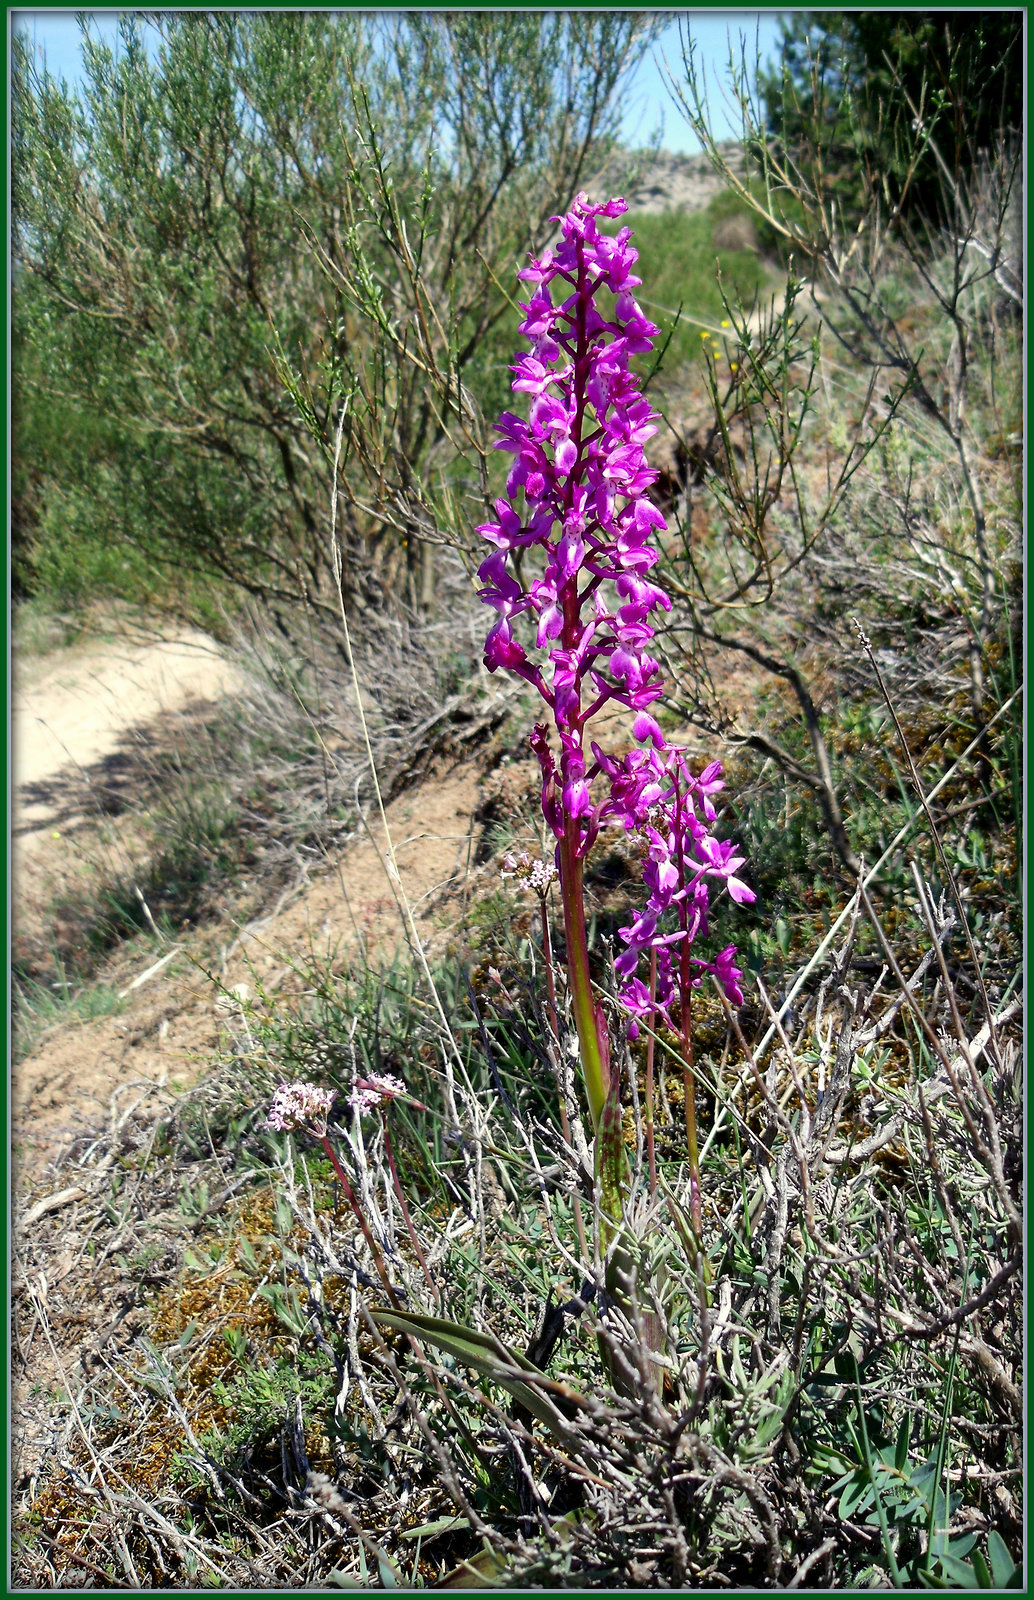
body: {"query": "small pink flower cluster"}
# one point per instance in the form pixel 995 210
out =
pixel 368 1093
pixel 300 1105
pixel 533 871
pixel 670 811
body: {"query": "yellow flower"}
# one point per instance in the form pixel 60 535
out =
pixel 726 323
pixel 704 334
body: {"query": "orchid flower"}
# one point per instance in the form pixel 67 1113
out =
pixel 573 543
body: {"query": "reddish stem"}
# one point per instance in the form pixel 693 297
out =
pixel 547 957
pixel 414 1241
pixel 375 1249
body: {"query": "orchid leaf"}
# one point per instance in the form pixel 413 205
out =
pixel 431 1530
pixel 492 1359
pixel 484 1571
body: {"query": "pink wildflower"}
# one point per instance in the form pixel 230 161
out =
pixel 572 544
pixel 532 870
pixel 368 1093
pixel 300 1106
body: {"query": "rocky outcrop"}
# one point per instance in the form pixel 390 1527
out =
pixel 666 182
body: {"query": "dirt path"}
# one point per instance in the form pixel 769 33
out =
pixel 75 706
pixel 70 711
pixel 75 710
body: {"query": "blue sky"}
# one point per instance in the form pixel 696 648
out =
pixel 57 33
pixel 711 32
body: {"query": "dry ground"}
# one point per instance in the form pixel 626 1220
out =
pixel 89 1087
pixel 87 1083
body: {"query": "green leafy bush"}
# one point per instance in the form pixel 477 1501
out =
pixel 685 267
pixel 851 88
pixel 189 223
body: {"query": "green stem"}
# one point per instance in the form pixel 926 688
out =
pixel 586 1018
pixel 565 1121
pixel 651 1151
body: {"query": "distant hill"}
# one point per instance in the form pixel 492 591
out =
pixel 669 182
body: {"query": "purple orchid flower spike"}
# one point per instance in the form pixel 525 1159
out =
pixel 574 541
pixel 576 508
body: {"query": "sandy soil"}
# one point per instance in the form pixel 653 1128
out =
pixel 78 708
pixel 126 1070
pixel 75 706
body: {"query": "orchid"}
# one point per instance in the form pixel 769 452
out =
pixel 573 543
pixel 576 499
pixel 573 546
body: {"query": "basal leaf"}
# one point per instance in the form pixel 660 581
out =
pixel 492 1359
pixel 609 1153
pixel 1004 1571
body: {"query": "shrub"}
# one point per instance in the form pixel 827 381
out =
pixel 852 88
pixel 172 221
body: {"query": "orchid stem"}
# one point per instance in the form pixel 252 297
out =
pixel 651 1152
pixel 586 1020
pixel 565 1122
